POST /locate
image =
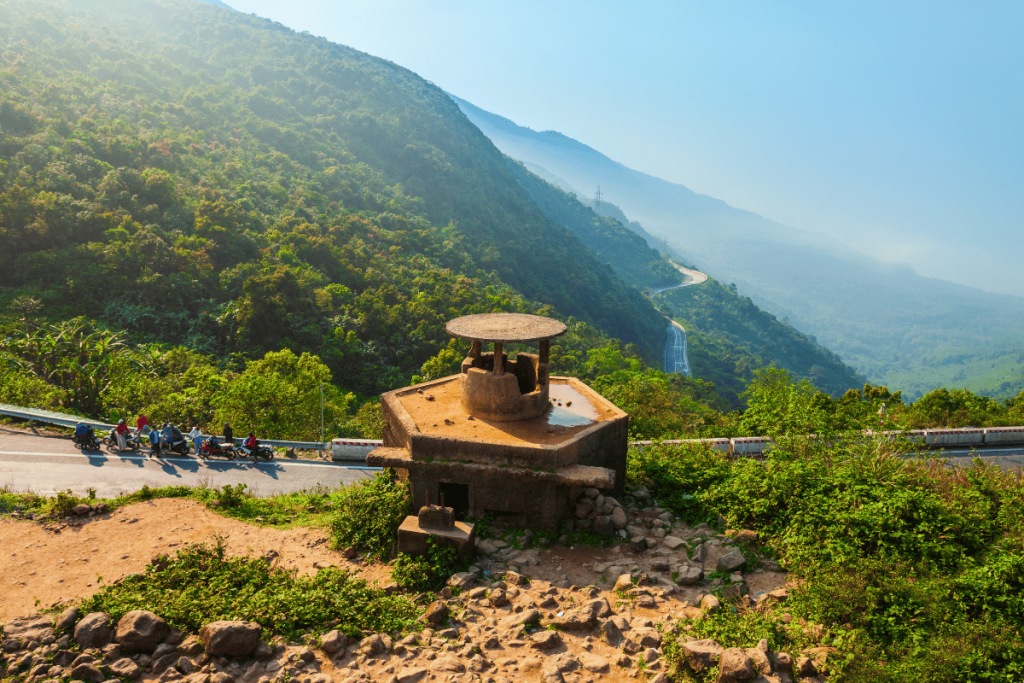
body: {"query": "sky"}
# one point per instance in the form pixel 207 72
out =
pixel 895 127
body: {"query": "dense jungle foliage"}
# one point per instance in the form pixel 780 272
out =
pixel 913 567
pixel 201 177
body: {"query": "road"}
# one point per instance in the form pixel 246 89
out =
pixel 690 278
pixel 1011 458
pixel 675 350
pixel 45 464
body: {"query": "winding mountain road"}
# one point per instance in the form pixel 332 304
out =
pixel 690 278
pixel 675 350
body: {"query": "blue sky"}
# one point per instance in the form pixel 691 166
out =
pixel 896 127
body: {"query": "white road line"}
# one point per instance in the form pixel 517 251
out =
pixel 136 458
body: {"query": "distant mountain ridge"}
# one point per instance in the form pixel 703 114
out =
pixel 895 326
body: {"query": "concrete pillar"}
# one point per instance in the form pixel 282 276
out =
pixel 545 350
pixel 499 366
pixel 474 351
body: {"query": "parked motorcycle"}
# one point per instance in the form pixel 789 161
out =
pixel 262 453
pixel 179 446
pixel 131 440
pixel 86 441
pixel 213 448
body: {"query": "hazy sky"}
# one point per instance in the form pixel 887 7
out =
pixel 896 127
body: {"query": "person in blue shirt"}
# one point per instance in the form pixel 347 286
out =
pixel 154 440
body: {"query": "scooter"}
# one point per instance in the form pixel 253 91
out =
pixel 262 452
pixel 131 440
pixel 86 441
pixel 213 448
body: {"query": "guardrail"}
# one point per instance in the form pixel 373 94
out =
pixel 357 449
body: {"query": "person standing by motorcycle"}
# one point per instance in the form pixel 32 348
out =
pixel 121 430
pixel 197 438
pixel 229 435
pixel 253 445
pixel 154 440
pixel 141 423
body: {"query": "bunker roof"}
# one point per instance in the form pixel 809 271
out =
pixel 505 327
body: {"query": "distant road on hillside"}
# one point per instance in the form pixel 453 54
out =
pixel 690 277
pixel 675 350
pixel 46 464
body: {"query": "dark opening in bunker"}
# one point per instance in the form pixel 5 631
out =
pixel 500 519
pixel 455 496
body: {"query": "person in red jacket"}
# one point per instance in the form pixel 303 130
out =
pixel 122 435
pixel 252 444
pixel 141 423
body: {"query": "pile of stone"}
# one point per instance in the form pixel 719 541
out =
pixel 738 665
pixel 86 510
pixel 602 514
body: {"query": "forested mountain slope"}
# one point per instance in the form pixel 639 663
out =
pixel 195 175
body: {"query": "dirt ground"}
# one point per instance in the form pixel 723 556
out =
pixel 51 567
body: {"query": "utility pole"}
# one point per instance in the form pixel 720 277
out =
pixel 597 198
pixel 321 414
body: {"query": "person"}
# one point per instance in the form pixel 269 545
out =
pixel 197 438
pixel 154 440
pixel 252 444
pixel 176 434
pixel 141 423
pixel 121 430
pixel 165 433
pixel 83 433
pixel 229 436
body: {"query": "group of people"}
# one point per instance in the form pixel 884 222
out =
pixel 170 434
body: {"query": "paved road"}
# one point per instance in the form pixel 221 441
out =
pixel 46 464
pixel 690 277
pixel 676 359
pixel 1007 458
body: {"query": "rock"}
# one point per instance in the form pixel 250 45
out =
pixel 701 654
pixel 82 509
pixel 649 656
pixel 710 604
pixel 373 645
pixel 513 578
pixel 498 598
pixel 462 580
pixel 485 547
pixel 436 613
pixel 624 583
pixel 584 508
pixel 673 542
pixel 66 620
pixel 447 664
pixel 332 641
pixel 191 647
pixel 734 666
pixel 161 663
pixel 140 631
pixel 731 561
pixel 734 591
pixel 612 633
pixel 689 575
pixel 759 658
pixel 412 674
pixel 619 519
pixel 564 662
pixel 783 662
pixel 638 544
pixel 646 637
pixel 591 493
pixel 805 667
pixel 87 672
pixel 263 651
pixel 771 566
pixel 551 675
pixel 574 620
pixel 622 661
pixel 603 526
pixel 530 616
pixel 164 649
pixel 659 678
pixel 600 608
pixel 594 664
pixel 93 631
pixel 35 628
pixel 232 638
pixel 666 517
pixel 545 640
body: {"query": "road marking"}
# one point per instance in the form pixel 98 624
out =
pixel 137 458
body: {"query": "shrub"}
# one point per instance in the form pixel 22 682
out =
pixel 202 584
pixel 428 572
pixel 369 514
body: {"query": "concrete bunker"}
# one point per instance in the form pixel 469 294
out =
pixel 503 437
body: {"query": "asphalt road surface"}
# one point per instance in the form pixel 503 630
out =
pixel 1007 458
pixel 46 464
pixel 676 359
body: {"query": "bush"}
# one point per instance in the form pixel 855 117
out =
pixel 201 584
pixel 369 514
pixel 428 572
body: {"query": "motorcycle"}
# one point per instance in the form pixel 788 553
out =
pixel 131 440
pixel 179 446
pixel 215 448
pixel 262 452
pixel 86 441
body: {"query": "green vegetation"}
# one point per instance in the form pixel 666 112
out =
pixel 728 338
pixel 368 515
pixel 201 584
pixel 428 572
pixel 211 179
pixel 914 567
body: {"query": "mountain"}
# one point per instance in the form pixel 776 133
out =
pixel 209 178
pixel 893 325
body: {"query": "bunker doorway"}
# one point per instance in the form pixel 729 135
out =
pixel 456 496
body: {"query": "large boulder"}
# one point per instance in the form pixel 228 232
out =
pixel 140 631
pixel 94 631
pixel 731 561
pixel 734 666
pixel 35 627
pixel 231 638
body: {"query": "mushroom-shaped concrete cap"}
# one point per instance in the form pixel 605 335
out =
pixel 505 327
